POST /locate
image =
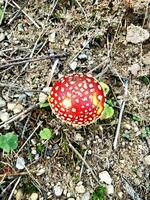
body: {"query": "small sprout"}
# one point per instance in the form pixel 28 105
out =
pixel 126 135
pixel 145 133
pixel 40 148
pixel 105 88
pixel 145 79
pixel 29 188
pixel 44 105
pixel 99 193
pixel 136 118
pixel 8 142
pixel 110 102
pixel 46 134
pixel 108 112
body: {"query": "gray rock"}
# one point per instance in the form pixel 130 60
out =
pixel 86 196
pixel 58 190
pixel 136 34
pixel 4 116
pixel 73 65
pixel 20 163
pixel 105 177
pixel 19 194
pixel 34 196
pixel 146 59
pixel 78 137
pixel 83 57
pixel 2 102
pixel 110 189
pixel 80 189
pixel 2 37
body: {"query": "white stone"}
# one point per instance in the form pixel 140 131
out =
pixel 58 190
pixel 134 69
pixel 33 151
pixel 110 189
pixel 105 177
pixel 34 196
pixel 82 57
pixel 120 194
pixel 18 108
pixel 51 37
pixel 71 199
pixel 43 97
pixel 136 34
pixel 2 102
pixel 4 116
pixel 80 189
pixel 73 65
pixel 86 196
pixel 19 194
pixel 78 137
pixel 147 160
pixel 11 105
pixel 20 163
pixel 2 37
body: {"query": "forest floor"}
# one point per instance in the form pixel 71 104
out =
pixel 109 39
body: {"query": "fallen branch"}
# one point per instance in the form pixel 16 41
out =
pixel 121 114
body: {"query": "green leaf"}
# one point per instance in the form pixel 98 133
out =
pixel 46 134
pixel 108 112
pixel 99 193
pixel 110 102
pixel 44 105
pixel 8 142
pixel 136 118
pixel 105 87
pixel 126 135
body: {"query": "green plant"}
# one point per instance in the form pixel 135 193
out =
pixel 8 142
pixel 40 148
pixel 108 112
pixel 1 14
pixel 145 133
pixel 99 193
pixel 29 188
pixel 136 118
pixel 126 135
pixel 44 105
pixel 46 134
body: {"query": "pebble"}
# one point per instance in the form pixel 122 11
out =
pixel 105 177
pixel 80 189
pixel 83 57
pixel 1 2
pixel 33 151
pixel 52 37
pixel 4 116
pixel 71 199
pixel 120 194
pixel 34 196
pixel 78 137
pixel 134 69
pixel 19 194
pixel 2 102
pixel 11 105
pixel 146 59
pixel 2 37
pixel 86 196
pixel 58 190
pixel 147 160
pixel 18 108
pixel 109 189
pixel 136 34
pixel 20 163
pixel 43 97
pixel 73 65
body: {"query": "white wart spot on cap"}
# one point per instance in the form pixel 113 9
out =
pixel 99 97
pixel 73 110
pixel 90 85
pixel 57 87
pixel 62 89
pixel 99 87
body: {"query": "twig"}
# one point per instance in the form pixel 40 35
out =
pixel 25 60
pixel 84 161
pixel 121 113
pixel 12 192
pixel 29 17
pixel 16 174
pixel 13 118
pixel 49 79
pixel 81 171
pixel 39 124
pixel 82 9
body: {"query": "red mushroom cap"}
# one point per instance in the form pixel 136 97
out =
pixel 77 99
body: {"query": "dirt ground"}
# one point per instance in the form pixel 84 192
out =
pixel 89 37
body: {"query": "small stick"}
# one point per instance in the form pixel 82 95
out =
pixel 13 118
pixel 84 161
pixel 12 192
pixel 25 60
pixel 16 174
pixel 39 124
pixel 29 17
pixel 120 115
pixel 49 79
pixel 81 171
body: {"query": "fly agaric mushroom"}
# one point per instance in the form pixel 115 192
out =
pixel 77 99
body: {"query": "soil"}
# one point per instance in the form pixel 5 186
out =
pixel 45 28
